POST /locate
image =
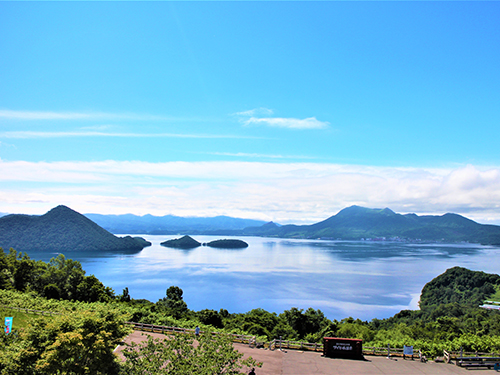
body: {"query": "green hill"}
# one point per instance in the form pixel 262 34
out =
pixel 61 230
pixel 355 223
pixel 459 285
pixel 185 242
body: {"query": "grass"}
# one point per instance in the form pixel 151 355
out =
pixel 21 319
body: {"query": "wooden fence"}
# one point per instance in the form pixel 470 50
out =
pixel 449 356
pixel 31 311
pixel 273 345
pixel 294 345
pixel 246 339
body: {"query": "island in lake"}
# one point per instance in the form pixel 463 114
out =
pixel 188 242
pixel 227 244
pixel 185 242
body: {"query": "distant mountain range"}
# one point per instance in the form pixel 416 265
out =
pixel 352 223
pixel 61 230
pixel 169 224
pixel 355 223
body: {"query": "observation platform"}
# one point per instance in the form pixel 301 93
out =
pixel 296 362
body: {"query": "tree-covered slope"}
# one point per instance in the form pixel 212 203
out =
pixel 60 230
pixel 185 242
pixel 459 285
pixel 354 223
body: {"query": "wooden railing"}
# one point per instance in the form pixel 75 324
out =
pixel 282 344
pixel 245 339
pixel 454 355
pixel 295 345
pixel 473 359
pixel 31 311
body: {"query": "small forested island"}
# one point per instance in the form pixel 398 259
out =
pixel 185 242
pixel 227 244
pixel 188 242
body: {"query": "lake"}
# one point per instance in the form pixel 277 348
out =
pixel 362 279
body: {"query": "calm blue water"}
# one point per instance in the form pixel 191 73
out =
pixel 342 278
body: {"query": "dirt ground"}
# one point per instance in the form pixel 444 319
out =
pixel 296 362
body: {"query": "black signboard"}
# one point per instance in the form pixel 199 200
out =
pixel 334 347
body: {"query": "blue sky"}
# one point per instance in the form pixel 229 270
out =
pixel 284 111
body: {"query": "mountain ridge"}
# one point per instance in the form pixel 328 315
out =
pixel 169 224
pixel 61 230
pixel 351 223
pixel 356 223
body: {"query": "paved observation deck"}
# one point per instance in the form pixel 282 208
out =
pixel 296 362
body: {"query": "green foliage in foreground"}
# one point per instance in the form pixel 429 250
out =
pixel 61 278
pixel 182 355
pixel 77 343
pixel 81 339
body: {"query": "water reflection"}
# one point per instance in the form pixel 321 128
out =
pixel 361 279
pixel 366 250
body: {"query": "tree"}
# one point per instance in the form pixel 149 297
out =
pixel 179 355
pixel 173 303
pixel 67 274
pixel 210 317
pixel 260 322
pixel 91 289
pixel 125 296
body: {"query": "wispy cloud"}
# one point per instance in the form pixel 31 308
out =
pixel 7 145
pixel 290 123
pixel 256 112
pixel 33 115
pixel 283 192
pixel 260 116
pixel 39 134
pixel 261 156
pixel 51 115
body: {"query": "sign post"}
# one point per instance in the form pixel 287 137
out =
pixel 335 347
pixel 8 325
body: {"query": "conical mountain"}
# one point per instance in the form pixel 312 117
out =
pixel 354 223
pixel 60 230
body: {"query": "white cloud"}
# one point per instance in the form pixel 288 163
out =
pixel 256 112
pixel 261 156
pixel 283 192
pixel 26 134
pixel 33 115
pixel 51 115
pixel 261 115
pixel 291 123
